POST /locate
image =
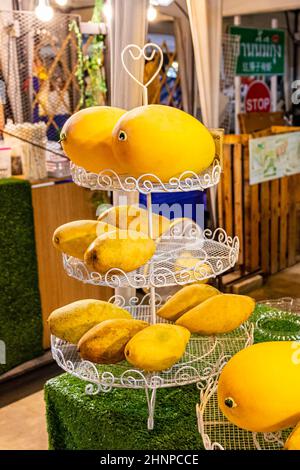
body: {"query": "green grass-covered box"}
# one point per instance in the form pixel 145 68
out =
pixel 117 420
pixel 21 329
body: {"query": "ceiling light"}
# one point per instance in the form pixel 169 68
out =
pixel 162 3
pixel 61 3
pixel 43 11
pixel 151 13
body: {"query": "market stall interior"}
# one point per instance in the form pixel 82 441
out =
pixel 149 189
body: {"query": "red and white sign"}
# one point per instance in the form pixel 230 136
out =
pixel 258 98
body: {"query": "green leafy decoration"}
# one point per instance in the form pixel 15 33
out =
pixel 90 66
pixel 79 73
pixel 93 64
pixel 97 12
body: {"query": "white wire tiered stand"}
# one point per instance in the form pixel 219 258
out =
pixel 215 252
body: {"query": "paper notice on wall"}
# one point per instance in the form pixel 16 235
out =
pixel 274 157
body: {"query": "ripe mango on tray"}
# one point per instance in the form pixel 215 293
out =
pixel 72 321
pixel 86 138
pixel 191 269
pixel 157 347
pixel 293 441
pixel 126 250
pixel 218 314
pixel 75 237
pixel 159 141
pixel 135 218
pixel 103 246
pixel 105 343
pixel 203 309
pixel 162 142
pixel 185 299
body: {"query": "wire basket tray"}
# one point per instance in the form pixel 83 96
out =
pixel 201 360
pixel 215 253
pixel 109 180
pixel 219 434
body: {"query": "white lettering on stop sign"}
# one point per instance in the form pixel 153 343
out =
pixel 258 98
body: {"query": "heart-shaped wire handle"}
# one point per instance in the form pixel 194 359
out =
pixel 137 53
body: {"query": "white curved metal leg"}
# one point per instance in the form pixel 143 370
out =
pixel 151 399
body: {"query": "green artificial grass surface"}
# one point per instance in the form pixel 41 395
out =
pixel 21 326
pixel 118 420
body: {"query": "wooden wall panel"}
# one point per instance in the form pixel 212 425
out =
pixel 265 226
pixel 274 226
pixel 220 198
pixel 283 222
pixel 238 197
pixel 263 216
pixel 255 219
pixel 292 221
pixel 227 186
pixel 54 206
pixel 247 210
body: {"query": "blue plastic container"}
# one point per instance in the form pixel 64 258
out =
pixel 190 204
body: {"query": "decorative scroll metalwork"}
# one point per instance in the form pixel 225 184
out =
pixel 213 254
pixel 104 378
pixel 109 180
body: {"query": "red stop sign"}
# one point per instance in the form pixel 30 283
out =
pixel 258 98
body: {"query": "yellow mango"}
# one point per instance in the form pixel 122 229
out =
pixel 259 387
pixel 157 347
pixel 74 238
pixel 122 249
pixel 218 314
pixel 293 441
pixel 86 138
pixel 72 321
pixel 192 269
pixel 134 218
pixel 163 141
pixel 185 299
pixel 105 343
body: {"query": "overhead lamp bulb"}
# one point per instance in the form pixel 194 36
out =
pixel 61 3
pixel 161 3
pixel 43 11
pixel 151 13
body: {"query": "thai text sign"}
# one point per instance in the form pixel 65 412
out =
pixel 274 156
pixel 261 51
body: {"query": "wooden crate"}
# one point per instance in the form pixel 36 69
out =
pixel 251 122
pixel 263 216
